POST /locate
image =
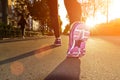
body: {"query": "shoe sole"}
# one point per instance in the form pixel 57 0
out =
pixel 57 44
pixel 76 33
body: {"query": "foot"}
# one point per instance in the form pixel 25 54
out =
pixel 75 40
pixel 57 42
pixel 75 56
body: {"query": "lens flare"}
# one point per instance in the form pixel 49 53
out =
pixel 17 68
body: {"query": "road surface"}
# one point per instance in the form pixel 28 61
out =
pixel 38 59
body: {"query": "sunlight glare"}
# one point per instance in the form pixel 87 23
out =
pixel 113 13
pixel 92 21
pixel 63 13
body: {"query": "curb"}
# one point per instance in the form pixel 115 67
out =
pixel 6 40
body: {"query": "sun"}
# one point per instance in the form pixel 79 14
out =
pixel 97 19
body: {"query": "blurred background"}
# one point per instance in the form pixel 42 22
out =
pixel 101 16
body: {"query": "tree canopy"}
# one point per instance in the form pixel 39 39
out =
pixel 38 9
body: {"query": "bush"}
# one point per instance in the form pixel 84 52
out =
pixel 7 31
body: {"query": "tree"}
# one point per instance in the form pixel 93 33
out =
pixel 90 7
pixel 38 9
pixel 21 8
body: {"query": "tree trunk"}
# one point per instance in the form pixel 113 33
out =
pixel 4 10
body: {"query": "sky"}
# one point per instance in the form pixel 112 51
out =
pixel 62 13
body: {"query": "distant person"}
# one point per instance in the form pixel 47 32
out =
pixel 22 23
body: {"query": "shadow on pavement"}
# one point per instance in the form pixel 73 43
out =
pixel 69 69
pixel 20 39
pixel 27 54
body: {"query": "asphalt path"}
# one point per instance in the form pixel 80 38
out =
pixel 38 59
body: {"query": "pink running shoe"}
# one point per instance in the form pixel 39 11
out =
pixel 78 35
